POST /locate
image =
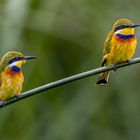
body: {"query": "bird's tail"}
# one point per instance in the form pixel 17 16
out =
pixel 103 78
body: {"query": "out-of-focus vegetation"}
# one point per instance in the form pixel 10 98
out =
pixel 68 36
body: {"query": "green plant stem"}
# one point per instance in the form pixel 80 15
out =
pixel 67 80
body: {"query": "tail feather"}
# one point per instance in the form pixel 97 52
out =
pixel 103 78
pixel 102 82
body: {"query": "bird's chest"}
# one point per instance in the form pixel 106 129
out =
pixel 11 84
pixel 12 81
pixel 122 49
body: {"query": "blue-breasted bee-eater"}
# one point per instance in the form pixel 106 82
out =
pixel 11 77
pixel 119 46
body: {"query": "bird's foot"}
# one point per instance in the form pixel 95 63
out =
pixel 114 67
pixel 128 61
pixel 2 104
pixel 17 96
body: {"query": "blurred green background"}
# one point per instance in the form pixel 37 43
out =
pixel 68 36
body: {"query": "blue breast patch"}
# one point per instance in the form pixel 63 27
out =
pixel 15 69
pixel 121 36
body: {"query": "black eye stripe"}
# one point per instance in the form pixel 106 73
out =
pixel 15 59
pixel 121 27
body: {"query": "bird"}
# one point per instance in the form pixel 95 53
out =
pixel 119 46
pixel 11 76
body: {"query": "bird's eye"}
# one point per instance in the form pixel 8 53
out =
pixel 119 27
pixel 14 60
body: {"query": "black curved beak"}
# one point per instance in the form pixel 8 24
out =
pixel 135 25
pixel 29 57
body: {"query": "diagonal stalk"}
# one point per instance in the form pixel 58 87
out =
pixel 67 80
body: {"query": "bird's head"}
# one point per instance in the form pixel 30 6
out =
pixel 13 58
pixel 124 26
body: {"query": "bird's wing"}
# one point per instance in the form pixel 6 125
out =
pixel 0 82
pixel 1 70
pixel 107 48
pixel 107 45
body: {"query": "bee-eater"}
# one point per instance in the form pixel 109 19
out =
pixel 119 46
pixel 11 77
